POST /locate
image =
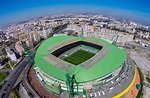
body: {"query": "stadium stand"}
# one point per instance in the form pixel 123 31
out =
pixel 38 87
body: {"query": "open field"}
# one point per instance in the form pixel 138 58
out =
pixel 14 94
pixel 141 62
pixel 3 76
pixel 78 57
pixel 142 57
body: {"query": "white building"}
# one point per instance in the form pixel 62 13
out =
pixel 11 54
pixel 45 33
pixel 110 35
pixel 29 42
pixel 36 37
pixel 78 28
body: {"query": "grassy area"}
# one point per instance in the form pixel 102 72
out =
pixel 7 67
pixel 148 79
pixel 4 57
pixel 14 94
pixel 2 85
pixel 3 76
pixel 78 57
pixel 141 82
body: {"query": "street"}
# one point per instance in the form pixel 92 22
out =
pixel 7 88
pixel 5 91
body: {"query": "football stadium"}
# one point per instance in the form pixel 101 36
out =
pixel 69 66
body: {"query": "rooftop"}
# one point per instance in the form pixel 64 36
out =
pixel 104 62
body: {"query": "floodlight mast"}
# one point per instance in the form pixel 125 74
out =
pixel 82 34
pixel 27 52
pixel 70 80
pixel 69 83
pixel 115 41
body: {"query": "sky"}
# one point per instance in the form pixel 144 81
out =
pixel 21 10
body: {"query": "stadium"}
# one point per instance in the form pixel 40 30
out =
pixel 69 66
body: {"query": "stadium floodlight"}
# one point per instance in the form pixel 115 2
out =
pixel 70 80
pixel 27 52
pixel 81 71
pixel 82 36
pixel 115 41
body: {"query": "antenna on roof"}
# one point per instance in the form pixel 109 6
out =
pixel 115 41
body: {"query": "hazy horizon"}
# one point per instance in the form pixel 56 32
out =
pixel 16 11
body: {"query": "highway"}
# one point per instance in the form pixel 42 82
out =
pixel 58 31
pixel 26 85
pixel 8 86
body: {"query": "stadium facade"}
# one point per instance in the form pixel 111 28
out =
pixel 98 68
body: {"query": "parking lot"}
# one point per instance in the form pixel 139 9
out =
pixel 116 86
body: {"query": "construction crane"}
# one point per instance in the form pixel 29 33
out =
pixel 115 41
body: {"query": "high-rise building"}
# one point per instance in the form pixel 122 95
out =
pixel 19 48
pixel 29 42
pixel 27 38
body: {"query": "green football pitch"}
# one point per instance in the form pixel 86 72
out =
pixel 78 57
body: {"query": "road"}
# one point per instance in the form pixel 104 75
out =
pixel 5 70
pixel 26 85
pixel 58 31
pixel 7 88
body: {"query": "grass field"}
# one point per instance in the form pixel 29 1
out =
pixel 3 76
pixel 14 94
pixel 78 57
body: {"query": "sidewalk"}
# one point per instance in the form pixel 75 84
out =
pixel 132 93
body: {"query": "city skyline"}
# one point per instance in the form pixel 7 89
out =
pixel 15 11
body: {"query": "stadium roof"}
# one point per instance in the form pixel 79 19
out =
pixel 110 62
